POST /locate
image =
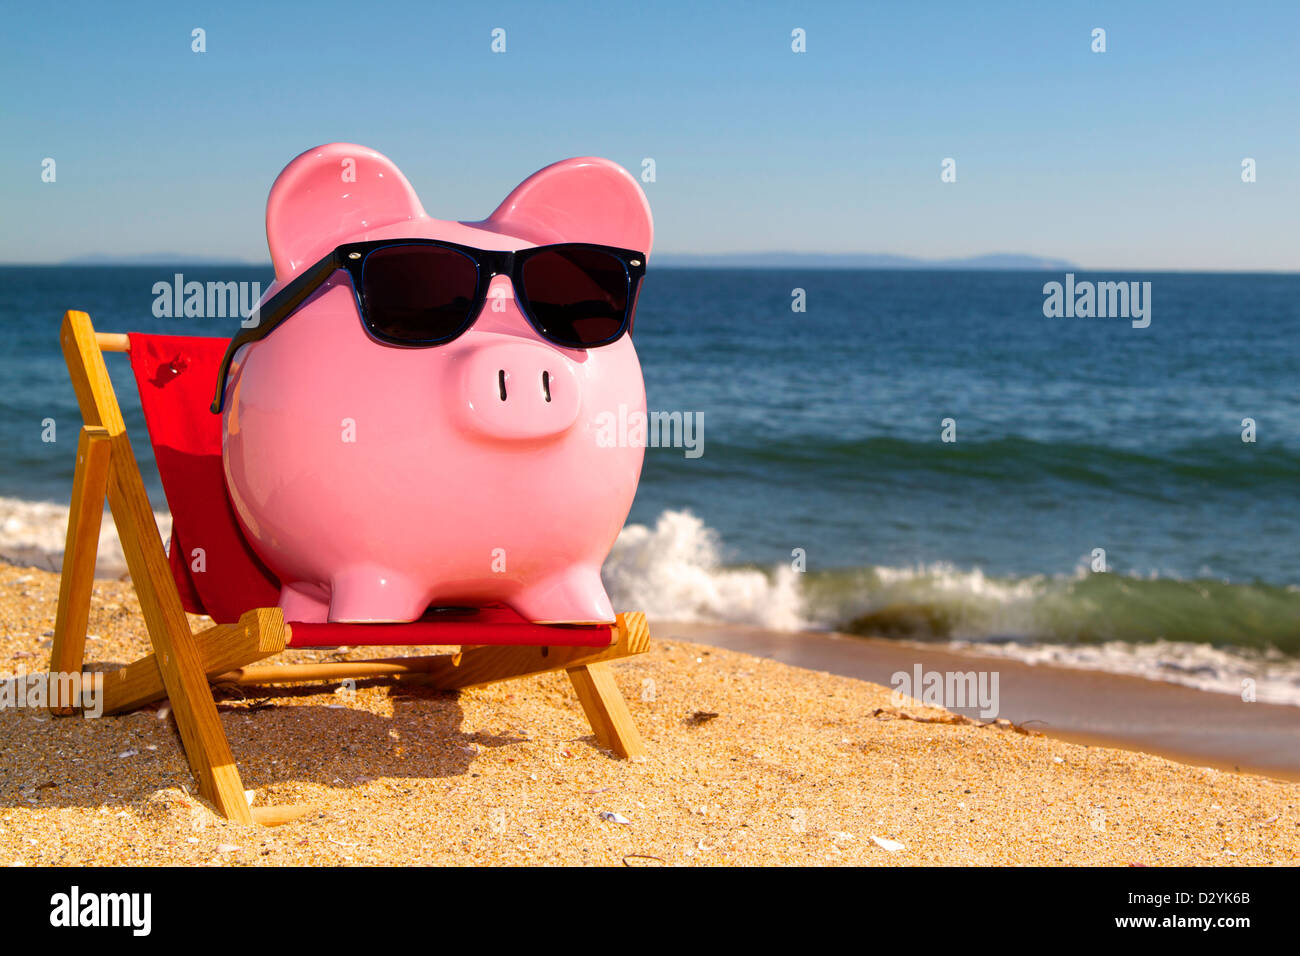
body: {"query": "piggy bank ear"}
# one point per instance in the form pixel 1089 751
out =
pixel 578 200
pixel 328 196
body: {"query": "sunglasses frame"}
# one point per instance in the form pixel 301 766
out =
pixel 488 263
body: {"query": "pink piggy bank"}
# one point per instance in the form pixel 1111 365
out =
pixel 416 420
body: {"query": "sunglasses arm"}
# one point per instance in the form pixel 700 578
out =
pixel 275 311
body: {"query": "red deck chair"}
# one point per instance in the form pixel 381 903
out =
pixel 212 570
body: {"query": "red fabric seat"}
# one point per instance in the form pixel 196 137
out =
pixel 216 571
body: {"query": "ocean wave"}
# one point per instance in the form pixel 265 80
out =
pixel 942 601
pixel 1241 639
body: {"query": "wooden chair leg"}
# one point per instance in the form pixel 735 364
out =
pixel 178 658
pixel 77 580
pixel 606 710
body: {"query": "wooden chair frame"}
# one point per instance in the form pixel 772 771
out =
pixel 183 662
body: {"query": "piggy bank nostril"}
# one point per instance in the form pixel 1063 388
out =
pixel 518 391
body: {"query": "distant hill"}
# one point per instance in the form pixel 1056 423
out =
pixel 857 260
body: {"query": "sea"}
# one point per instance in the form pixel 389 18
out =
pixel 919 455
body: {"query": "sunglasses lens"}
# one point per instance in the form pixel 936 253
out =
pixel 418 294
pixel 577 297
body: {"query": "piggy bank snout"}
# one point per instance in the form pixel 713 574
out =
pixel 517 391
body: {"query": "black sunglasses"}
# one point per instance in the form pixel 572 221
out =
pixel 424 292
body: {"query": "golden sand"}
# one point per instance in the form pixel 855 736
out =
pixel 797 767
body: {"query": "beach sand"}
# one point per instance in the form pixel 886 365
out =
pixel 751 761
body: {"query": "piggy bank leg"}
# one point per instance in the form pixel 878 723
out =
pixel 574 595
pixel 305 603
pixel 373 595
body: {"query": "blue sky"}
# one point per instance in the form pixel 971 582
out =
pixel 1127 159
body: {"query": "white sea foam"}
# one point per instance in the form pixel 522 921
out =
pixel 1270 676
pixel 674 572
pixel 34 532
